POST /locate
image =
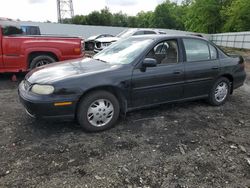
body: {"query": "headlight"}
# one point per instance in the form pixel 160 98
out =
pixel 42 89
pixel 105 44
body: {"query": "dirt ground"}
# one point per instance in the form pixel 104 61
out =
pixel 180 145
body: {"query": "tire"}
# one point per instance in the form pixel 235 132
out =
pixel 98 111
pixel 41 60
pixel 220 92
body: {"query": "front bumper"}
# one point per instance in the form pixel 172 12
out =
pixel 44 106
pixel 97 50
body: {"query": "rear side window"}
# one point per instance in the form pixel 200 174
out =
pixel 149 32
pixel 196 50
pixel 139 33
pixel 213 52
pixel 35 31
pixel 30 30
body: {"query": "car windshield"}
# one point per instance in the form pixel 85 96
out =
pixel 126 33
pixel 124 51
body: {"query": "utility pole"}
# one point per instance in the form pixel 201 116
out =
pixel 64 9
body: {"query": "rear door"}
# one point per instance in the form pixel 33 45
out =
pixel 201 67
pixel 162 83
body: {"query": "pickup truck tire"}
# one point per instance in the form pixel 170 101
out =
pixel 98 111
pixel 41 60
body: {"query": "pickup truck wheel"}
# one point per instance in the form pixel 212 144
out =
pixel 220 92
pixel 98 111
pixel 41 60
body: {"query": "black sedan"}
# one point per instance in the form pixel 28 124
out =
pixel 133 73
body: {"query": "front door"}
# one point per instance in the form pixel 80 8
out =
pixel 162 83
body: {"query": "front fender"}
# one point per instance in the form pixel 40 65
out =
pixel 54 51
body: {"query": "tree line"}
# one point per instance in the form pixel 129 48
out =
pixel 205 16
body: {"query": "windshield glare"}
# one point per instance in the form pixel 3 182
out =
pixel 123 51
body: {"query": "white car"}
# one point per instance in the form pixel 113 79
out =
pixel 90 42
pixel 101 43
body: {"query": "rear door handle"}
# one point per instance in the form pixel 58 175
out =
pixel 215 68
pixel 177 72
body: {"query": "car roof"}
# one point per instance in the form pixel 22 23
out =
pixel 143 29
pixel 167 36
pixel 4 23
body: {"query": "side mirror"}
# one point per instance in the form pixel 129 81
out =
pixel 149 62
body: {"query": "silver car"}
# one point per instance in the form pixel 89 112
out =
pixel 101 43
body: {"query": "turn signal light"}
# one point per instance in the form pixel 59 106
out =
pixel 62 103
pixel 77 50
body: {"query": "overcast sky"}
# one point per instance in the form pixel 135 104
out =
pixel 43 10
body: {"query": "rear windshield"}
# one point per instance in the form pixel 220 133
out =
pixel 30 30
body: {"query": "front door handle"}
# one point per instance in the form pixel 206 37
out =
pixel 215 68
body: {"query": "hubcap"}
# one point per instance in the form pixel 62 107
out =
pixel 100 112
pixel 41 63
pixel 221 91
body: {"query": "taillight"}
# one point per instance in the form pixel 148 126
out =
pixel 241 62
pixel 82 46
pixel 77 50
pixel 242 65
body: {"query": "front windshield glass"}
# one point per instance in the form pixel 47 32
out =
pixel 124 51
pixel 126 33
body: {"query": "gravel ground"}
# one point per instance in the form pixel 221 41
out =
pixel 180 145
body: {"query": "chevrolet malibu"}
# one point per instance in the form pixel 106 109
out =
pixel 133 73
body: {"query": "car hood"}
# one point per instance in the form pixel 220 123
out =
pixel 91 38
pixel 107 39
pixel 67 69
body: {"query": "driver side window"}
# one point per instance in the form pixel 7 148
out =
pixel 165 52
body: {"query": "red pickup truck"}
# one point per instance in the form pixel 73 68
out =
pixel 19 53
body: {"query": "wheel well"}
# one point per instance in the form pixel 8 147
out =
pixel 230 78
pixel 32 55
pixel 115 91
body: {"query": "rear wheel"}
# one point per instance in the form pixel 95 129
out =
pixel 98 111
pixel 220 92
pixel 41 60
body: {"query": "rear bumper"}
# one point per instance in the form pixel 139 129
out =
pixel 44 109
pixel 239 80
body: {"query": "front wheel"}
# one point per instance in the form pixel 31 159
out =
pixel 98 111
pixel 220 92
